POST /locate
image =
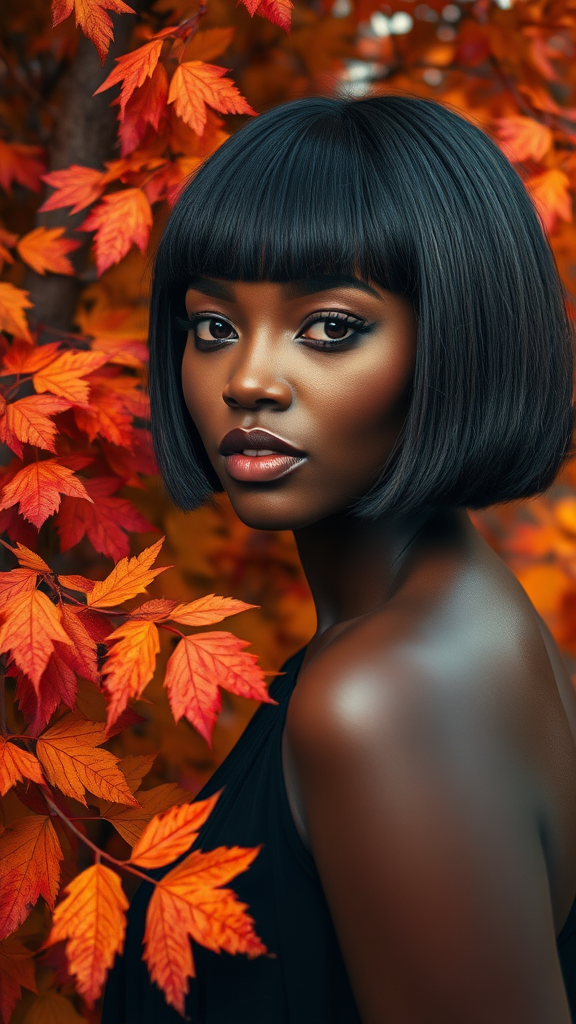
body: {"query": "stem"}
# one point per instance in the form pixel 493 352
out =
pixel 124 865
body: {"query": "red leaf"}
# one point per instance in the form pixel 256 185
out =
pixel 20 163
pixel 30 628
pixel 45 249
pixel 279 12
pixel 26 421
pixel 107 522
pixel 31 855
pixel 132 70
pixel 37 488
pixel 75 186
pixel 92 18
pixel 122 219
pixel 145 107
pixel 195 84
pixel 57 686
pixel 16 970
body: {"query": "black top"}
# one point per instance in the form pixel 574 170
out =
pixel 306 982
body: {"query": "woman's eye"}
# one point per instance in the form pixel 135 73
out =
pixel 332 329
pixel 214 329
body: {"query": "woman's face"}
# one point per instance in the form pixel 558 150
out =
pixel 298 391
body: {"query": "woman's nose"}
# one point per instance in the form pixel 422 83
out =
pixel 255 383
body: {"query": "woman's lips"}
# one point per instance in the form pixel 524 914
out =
pixel 255 468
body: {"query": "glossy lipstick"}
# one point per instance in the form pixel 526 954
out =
pixel 256 455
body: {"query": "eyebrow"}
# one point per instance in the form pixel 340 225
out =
pixel 304 286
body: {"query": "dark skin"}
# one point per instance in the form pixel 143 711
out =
pixel 430 745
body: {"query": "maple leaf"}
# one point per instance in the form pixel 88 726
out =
pixel 206 610
pixel 106 415
pixel 31 855
pixel 31 625
pixel 25 357
pixel 20 163
pixel 524 138
pixel 130 664
pixel 106 522
pixel 80 655
pixel 79 583
pixel 13 302
pixel 37 488
pixel 44 249
pixel 16 972
pixel 28 559
pixel 92 18
pixel 132 70
pixel 186 904
pixel 16 765
pixel 199 665
pixel 57 686
pixel 122 219
pixel 551 194
pixel 93 935
pixel 75 186
pixel 130 822
pixel 195 84
pixel 17 581
pixel 71 761
pixel 64 376
pixel 172 833
pixel 27 421
pixel 52 1008
pixel 145 107
pixel 279 12
pixel 130 577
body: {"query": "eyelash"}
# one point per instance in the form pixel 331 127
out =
pixel 360 327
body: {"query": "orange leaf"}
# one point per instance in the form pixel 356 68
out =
pixel 17 581
pixel 186 904
pixel 134 767
pixel 199 665
pixel 44 249
pixel 21 163
pixel 71 761
pixel 130 577
pixel 64 375
pixel 206 610
pixel 26 421
pixel 130 822
pixel 13 302
pixel 130 664
pixel 172 833
pixel 145 107
pixel 132 70
pixel 107 521
pixel 37 489
pixel 92 918
pixel 92 18
pixel 30 854
pixel 523 138
pixel 157 610
pixel 75 186
pixel 31 625
pixel 551 194
pixel 25 357
pixel 211 43
pixel 29 559
pixel 279 12
pixel 16 765
pixel 79 583
pixel 16 970
pixel 195 84
pixel 120 220
pixel 81 654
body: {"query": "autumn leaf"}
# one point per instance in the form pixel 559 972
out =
pixel 52 1008
pixel 13 302
pixel 80 655
pixel 195 85
pixel 7 241
pixel 24 357
pixel 27 421
pixel 37 488
pixel 207 45
pixel 17 581
pixel 57 686
pixel 93 934
pixel 551 194
pixel 187 903
pixel 106 522
pixel 29 559
pixel 71 761
pixel 74 582
pixel 130 664
pixel 21 163
pixel 130 822
pixel 31 626
pixel 170 834
pixel 30 855
pixel 134 767
pixel 121 220
pixel 75 186
pixel 279 12
pixel 45 249
pixel 92 18
pixel 128 579
pixel 16 972
pixel 524 138
pixel 65 375
pixel 206 610
pixel 16 765
pixel 132 70
pixel 145 107
pixel 199 665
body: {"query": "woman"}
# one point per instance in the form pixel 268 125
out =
pixel 358 332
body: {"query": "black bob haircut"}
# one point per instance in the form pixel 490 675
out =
pixel 402 192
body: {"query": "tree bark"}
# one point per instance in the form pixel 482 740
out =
pixel 84 134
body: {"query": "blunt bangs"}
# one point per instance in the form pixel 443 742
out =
pixel 404 193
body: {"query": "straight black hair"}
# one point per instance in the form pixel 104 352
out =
pixel 405 193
